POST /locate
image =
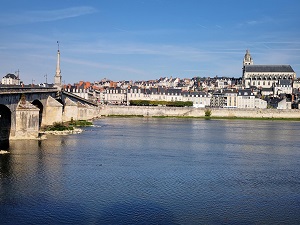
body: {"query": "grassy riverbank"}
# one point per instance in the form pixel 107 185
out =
pixel 67 126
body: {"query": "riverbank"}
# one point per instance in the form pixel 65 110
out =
pixel 190 112
pixel 66 128
pixel 64 132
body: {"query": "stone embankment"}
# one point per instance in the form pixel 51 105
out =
pixel 198 112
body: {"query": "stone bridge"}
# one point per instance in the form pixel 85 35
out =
pixel 24 110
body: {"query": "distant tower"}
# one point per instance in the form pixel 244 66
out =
pixel 246 62
pixel 57 77
pixel 247 59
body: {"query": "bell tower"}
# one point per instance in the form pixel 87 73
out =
pixel 247 59
pixel 57 77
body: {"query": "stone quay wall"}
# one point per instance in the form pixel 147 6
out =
pixel 110 110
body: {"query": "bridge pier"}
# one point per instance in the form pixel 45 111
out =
pixel 53 112
pixel 26 121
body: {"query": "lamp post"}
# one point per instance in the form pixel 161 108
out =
pixel 46 80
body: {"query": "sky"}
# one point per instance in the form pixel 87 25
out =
pixel 145 39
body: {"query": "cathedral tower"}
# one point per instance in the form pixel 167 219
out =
pixel 247 59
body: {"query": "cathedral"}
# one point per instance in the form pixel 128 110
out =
pixel 265 76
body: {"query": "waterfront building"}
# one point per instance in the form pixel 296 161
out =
pixel 230 99
pixel 115 95
pixel 245 98
pixel 10 79
pixel 217 100
pixel 265 76
pixel 260 103
pixel 199 99
pixel 279 103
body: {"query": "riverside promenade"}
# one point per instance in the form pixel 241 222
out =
pixel 160 111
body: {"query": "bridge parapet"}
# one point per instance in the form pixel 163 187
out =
pixel 13 90
pixel 76 98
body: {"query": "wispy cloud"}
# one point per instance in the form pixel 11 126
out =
pixel 103 66
pixel 44 15
pixel 202 26
pixel 255 22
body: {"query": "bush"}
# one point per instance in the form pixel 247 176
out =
pixel 207 112
pixel 58 127
pixel 67 125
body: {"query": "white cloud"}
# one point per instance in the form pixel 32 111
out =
pixel 44 15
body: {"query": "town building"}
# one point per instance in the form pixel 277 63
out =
pixel 10 79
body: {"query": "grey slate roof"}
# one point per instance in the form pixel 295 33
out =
pixel 268 68
pixel 10 75
pixel 174 91
pixel 245 92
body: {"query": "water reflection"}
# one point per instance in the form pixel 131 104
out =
pixel 4 144
pixel 155 171
pixel 5 163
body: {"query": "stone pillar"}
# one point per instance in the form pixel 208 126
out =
pixel 53 112
pixel 82 111
pixel 70 110
pixel 27 121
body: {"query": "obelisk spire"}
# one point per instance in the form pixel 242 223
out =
pixel 57 77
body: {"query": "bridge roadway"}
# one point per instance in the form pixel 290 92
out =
pixel 23 110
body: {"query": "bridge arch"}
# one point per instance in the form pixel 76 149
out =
pixel 38 104
pixel 5 126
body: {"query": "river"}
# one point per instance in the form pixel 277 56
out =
pixel 156 171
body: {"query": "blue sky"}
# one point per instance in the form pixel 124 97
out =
pixel 145 39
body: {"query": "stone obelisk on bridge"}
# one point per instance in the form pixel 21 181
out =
pixel 57 77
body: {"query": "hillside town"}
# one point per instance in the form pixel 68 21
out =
pixel 261 86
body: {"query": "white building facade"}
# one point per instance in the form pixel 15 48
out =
pixel 10 79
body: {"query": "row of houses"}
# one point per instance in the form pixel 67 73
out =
pixel 229 98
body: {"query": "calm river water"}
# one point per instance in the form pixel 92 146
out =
pixel 156 171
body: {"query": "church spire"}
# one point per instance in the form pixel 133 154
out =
pixel 57 77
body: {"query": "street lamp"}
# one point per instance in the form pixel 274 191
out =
pixel 46 80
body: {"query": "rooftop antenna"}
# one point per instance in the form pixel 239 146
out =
pixel 58 45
